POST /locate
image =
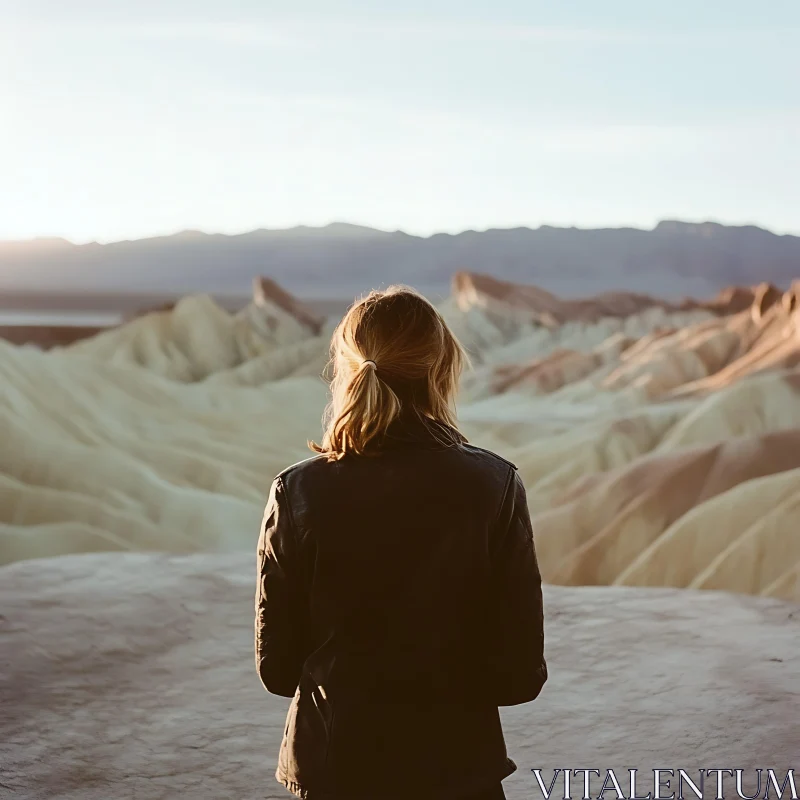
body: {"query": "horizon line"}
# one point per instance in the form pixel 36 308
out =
pixel 382 231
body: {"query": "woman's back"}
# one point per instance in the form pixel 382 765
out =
pixel 399 604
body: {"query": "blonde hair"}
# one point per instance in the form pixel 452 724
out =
pixel 391 353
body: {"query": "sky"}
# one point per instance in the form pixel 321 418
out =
pixel 123 119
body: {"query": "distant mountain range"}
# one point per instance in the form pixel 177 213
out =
pixel 672 260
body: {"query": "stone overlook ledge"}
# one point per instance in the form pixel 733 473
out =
pixel 132 676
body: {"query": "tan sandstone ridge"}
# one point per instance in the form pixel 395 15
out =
pixel 195 337
pixel 732 341
pixel 531 302
pixel 658 443
pixel 132 675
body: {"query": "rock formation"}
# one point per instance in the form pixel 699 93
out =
pixel 636 425
pixel 195 338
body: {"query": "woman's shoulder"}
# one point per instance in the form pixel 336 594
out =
pixel 299 467
pixel 318 471
pixel 488 455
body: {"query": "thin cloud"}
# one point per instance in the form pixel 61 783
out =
pixel 232 33
pixel 222 32
pixel 302 32
pixel 470 32
pixel 415 127
pixel 487 32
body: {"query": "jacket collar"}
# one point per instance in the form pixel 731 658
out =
pixel 413 430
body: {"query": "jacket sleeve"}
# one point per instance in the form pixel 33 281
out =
pixel 281 601
pixel 517 641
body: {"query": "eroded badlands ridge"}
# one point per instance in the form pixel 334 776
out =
pixel 658 441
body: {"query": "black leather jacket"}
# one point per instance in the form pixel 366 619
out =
pixel 399 603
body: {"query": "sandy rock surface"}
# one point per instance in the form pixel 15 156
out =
pixel 132 676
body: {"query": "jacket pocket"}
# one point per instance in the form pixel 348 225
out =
pixel 308 732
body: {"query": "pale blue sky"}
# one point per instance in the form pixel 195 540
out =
pixel 127 119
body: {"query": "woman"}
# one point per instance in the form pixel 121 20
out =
pixel 399 599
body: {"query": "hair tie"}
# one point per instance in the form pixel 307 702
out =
pixel 369 361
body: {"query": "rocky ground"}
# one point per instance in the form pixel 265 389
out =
pixel 132 676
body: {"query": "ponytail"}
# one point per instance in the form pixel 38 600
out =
pixel 371 406
pixel 391 351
